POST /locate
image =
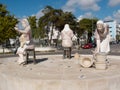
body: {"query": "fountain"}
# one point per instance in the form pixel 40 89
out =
pixel 55 73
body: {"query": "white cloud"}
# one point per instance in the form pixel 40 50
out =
pixel 71 5
pixel 39 14
pixel 115 16
pixel 80 18
pixel 25 16
pixel 114 2
pixel 108 18
pixel 86 15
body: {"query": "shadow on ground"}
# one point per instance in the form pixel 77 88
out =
pixel 37 60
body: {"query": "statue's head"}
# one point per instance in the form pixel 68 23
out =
pixel 66 27
pixel 24 22
pixel 100 25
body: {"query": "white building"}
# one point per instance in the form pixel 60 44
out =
pixel 118 29
pixel 113 29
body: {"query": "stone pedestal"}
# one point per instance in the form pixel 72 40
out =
pixel 101 61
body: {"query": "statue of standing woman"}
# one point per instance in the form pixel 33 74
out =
pixel 66 36
pixel 25 39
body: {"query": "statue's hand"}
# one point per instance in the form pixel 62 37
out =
pixel 15 28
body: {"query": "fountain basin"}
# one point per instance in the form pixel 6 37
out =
pixel 54 73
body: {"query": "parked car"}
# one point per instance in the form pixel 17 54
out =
pixel 89 45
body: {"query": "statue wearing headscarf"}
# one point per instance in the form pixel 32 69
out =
pixel 102 37
pixel 66 36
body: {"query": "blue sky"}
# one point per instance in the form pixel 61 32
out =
pixel 102 9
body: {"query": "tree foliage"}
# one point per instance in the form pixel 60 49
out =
pixel 56 17
pixel 33 24
pixel 52 17
pixel 7 23
pixel 88 24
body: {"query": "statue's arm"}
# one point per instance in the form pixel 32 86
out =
pixel 23 31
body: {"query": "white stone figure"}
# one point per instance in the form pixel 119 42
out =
pixel 74 39
pixel 55 34
pixel 25 40
pixel 66 36
pixel 12 42
pixel 102 37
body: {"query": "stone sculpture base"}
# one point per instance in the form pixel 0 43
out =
pixel 54 73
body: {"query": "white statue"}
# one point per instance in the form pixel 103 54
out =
pixel 102 36
pixel 25 40
pixel 66 36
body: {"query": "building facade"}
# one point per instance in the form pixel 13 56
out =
pixel 113 29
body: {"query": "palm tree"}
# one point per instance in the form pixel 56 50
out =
pixel 51 16
pixel 56 18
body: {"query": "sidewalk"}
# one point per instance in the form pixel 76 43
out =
pixel 115 50
pixel 37 49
